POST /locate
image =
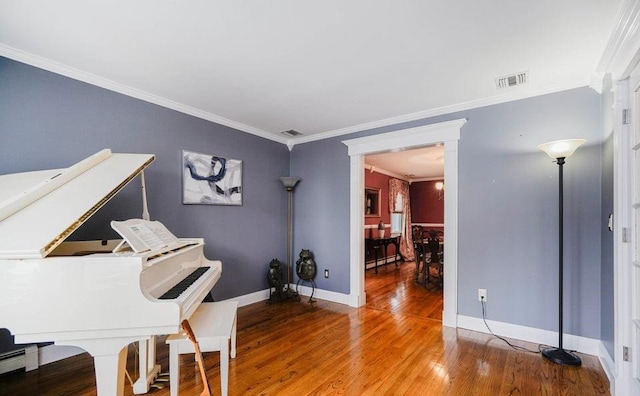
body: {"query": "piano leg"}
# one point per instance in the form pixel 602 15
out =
pixel 148 368
pixel 109 358
pixel 108 368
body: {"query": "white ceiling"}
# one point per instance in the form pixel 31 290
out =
pixel 412 165
pixel 323 68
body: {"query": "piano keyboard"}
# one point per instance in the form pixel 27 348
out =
pixel 176 290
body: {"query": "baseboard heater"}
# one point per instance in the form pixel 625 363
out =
pixel 26 358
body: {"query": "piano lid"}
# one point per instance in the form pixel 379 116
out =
pixel 39 210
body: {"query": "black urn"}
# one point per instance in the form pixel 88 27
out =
pixel 274 276
pixel 276 283
pixel 306 266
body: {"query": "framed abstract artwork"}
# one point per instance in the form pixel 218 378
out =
pixel 210 179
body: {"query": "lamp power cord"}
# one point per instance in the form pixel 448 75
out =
pixel 483 302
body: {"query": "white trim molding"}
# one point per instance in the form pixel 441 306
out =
pixel 609 367
pixel 447 132
pixel 386 172
pixel 590 346
pixel 89 78
pixel 111 85
pixel 581 81
pixel 52 353
pixel 621 53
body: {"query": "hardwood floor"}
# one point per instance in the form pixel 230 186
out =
pixel 396 291
pixel 393 346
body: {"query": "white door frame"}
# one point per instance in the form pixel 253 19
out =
pixel 405 139
pixel 624 267
pixel 619 60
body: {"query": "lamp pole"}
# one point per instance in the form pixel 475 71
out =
pixel 289 235
pixel 289 184
pixel 560 150
pixel 560 162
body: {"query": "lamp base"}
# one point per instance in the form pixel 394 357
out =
pixel 561 356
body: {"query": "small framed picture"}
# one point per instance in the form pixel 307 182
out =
pixel 210 179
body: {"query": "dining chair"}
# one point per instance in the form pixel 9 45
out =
pixel 435 256
pixel 418 249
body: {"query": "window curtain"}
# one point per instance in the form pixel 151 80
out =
pixel 397 186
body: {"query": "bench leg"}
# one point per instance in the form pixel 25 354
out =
pixel 233 337
pixel 174 370
pixel 224 366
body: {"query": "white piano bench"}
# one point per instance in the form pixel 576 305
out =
pixel 214 325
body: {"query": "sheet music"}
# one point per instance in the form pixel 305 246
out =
pixel 143 235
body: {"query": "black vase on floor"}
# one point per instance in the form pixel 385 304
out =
pixel 306 270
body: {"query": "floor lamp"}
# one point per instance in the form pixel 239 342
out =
pixel 289 184
pixel 560 150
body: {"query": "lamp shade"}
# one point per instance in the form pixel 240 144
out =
pixel 289 182
pixel 561 148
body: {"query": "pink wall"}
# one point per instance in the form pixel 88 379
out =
pixel 381 181
pixel 425 205
pixel 378 180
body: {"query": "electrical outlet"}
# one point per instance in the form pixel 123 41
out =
pixel 326 273
pixel 482 295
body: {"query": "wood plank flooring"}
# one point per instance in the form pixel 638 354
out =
pixel 394 346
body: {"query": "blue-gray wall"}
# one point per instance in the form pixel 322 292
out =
pixel 508 191
pixel 50 121
pixel 508 221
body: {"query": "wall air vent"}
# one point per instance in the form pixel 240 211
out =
pixel 291 132
pixel 512 80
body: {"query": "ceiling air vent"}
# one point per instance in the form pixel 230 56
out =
pixel 291 132
pixel 512 80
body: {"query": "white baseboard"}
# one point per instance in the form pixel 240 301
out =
pixel 263 295
pixel 247 299
pixel 26 358
pixel 609 367
pixel 53 353
pixel 590 346
pixel 381 262
pixel 324 294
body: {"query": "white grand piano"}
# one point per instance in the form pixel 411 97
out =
pixel 82 293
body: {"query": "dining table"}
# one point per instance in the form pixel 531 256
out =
pixel 382 243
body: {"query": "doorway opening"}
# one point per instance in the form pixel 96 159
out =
pixel 445 132
pixel 404 231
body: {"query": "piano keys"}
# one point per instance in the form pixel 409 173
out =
pixel 81 293
pixel 177 290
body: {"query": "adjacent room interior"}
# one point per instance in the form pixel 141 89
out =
pixel 404 236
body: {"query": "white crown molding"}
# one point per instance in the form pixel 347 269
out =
pixel 474 104
pixel 621 52
pixel 372 169
pixel 401 177
pixel 425 179
pixel 406 138
pixel 76 74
